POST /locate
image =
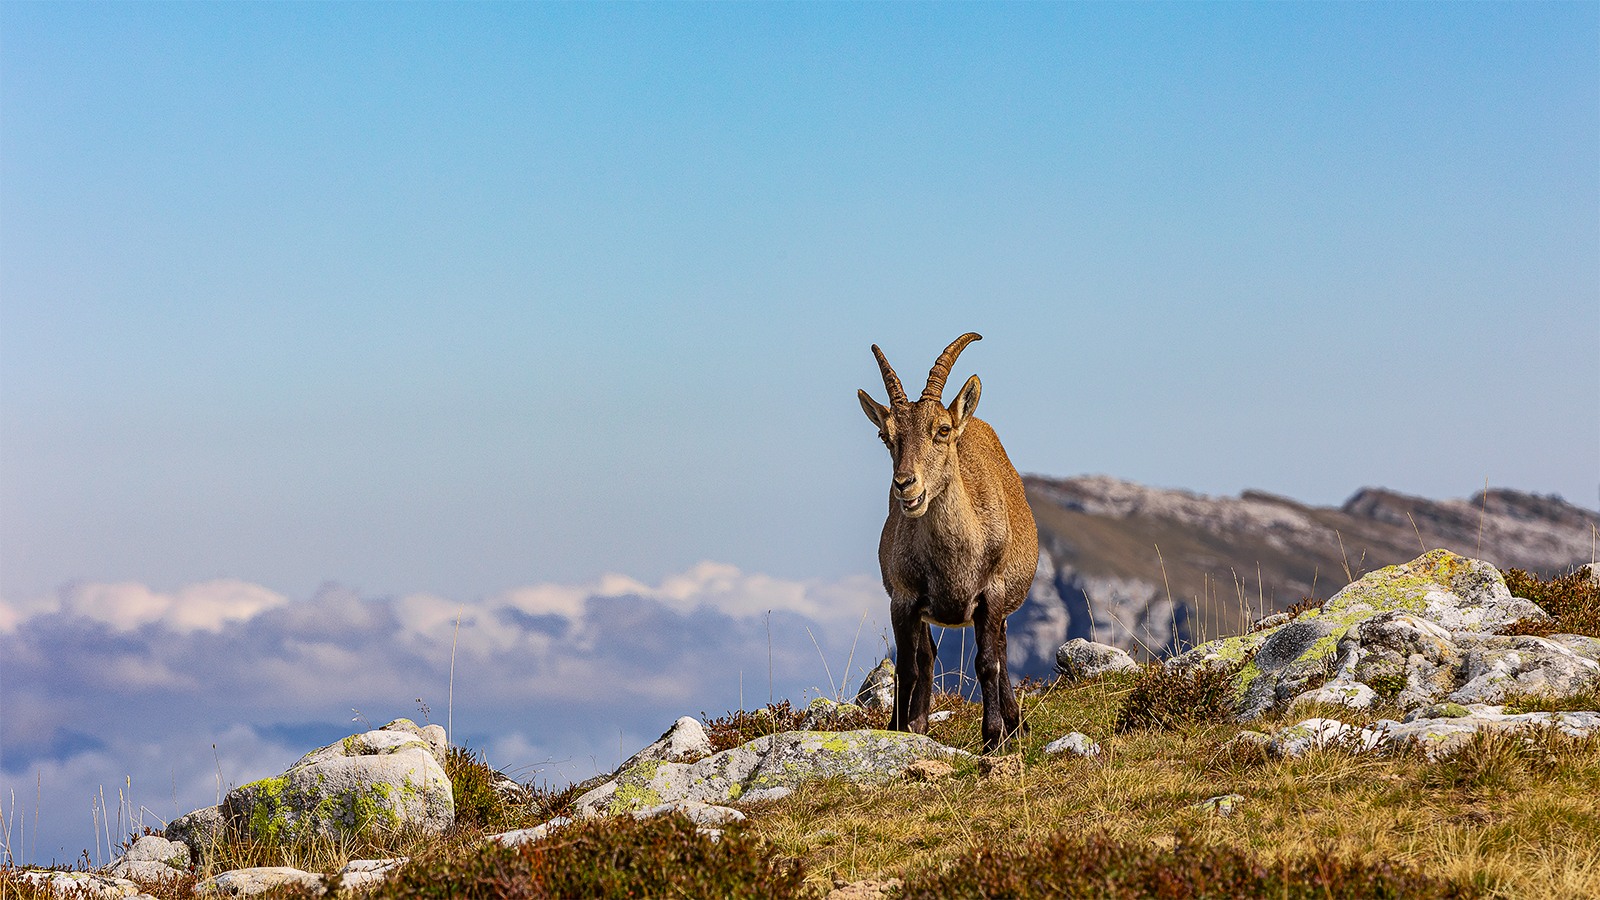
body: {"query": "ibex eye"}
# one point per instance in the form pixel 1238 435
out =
pixel 944 430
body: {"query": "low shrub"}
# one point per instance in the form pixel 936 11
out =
pixel 614 857
pixel 1572 601
pixel 1167 699
pixel 743 726
pixel 478 804
pixel 1099 866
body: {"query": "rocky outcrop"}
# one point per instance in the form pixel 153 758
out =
pixel 1451 726
pixel 1226 561
pixel 766 768
pixel 380 781
pixel 1422 632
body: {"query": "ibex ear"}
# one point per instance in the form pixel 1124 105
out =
pixel 878 414
pixel 966 401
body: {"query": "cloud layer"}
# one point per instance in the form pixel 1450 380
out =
pixel 164 699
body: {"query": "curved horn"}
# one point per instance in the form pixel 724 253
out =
pixel 941 367
pixel 897 394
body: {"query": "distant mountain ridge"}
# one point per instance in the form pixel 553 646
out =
pixel 1156 570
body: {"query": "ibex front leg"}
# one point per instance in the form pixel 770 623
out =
pixel 1001 714
pixel 913 672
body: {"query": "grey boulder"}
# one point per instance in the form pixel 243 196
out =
pixel 1079 659
pixel 685 741
pixel 1076 743
pixel 258 880
pixel 199 830
pixel 372 783
pixel 877 689
pixel 152 858
pixel 765 768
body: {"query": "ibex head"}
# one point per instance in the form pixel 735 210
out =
pixel 922 436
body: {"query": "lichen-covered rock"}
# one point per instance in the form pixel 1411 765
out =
pixel 1497 666
pixel 1079 659
pixel 1457 593
pixel 1318 734
pixel 1221 806
pixel 1340 692
pixel 152 858
pixel 762 767
pixel 199 830
pixel 435 736
pixel 823 714
pixel 258 880
pixel 877 689
pixel 379 742
pixel 1422 632
pixel 373 783
pixel 685 741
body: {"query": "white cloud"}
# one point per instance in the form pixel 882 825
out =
pixel 109 681
pixel 127 605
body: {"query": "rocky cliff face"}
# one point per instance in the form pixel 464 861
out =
pixel 1158 571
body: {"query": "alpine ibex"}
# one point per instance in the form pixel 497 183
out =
pixel 959 547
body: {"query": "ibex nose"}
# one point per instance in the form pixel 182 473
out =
pixel 906 483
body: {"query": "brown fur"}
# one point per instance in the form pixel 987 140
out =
pixel 959 546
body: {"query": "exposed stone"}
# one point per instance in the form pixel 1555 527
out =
pixel 1438 711
pixel 685 741
pixel 1075 743
pixel 940 716
pixel 435 736
pixel 1318 734
pixel 524 835
pixel 1001 767
pixel 1458 593
pixel 1498 666
pixel 249 882
pixel 85 885
pixel 754 770
pixel 152 858
pixel 928 770
pixel 199 830
pixel 1078 659
pixel 1434 736
pixel 1247 739
pixel 877 689
pixel 377 782
pixel 1222 806
pixel 363 874
pixel 823 714
pixel 1340 692
pixel 1420 632
pixel 704 814
pixel 867 889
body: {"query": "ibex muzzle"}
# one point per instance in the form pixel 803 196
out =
pixel 959 547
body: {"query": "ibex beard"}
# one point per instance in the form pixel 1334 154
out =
pixel 959 547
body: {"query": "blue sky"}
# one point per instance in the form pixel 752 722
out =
pixel 459 297
pixel 452 300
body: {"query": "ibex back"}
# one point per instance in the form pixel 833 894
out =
pixel 959 547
